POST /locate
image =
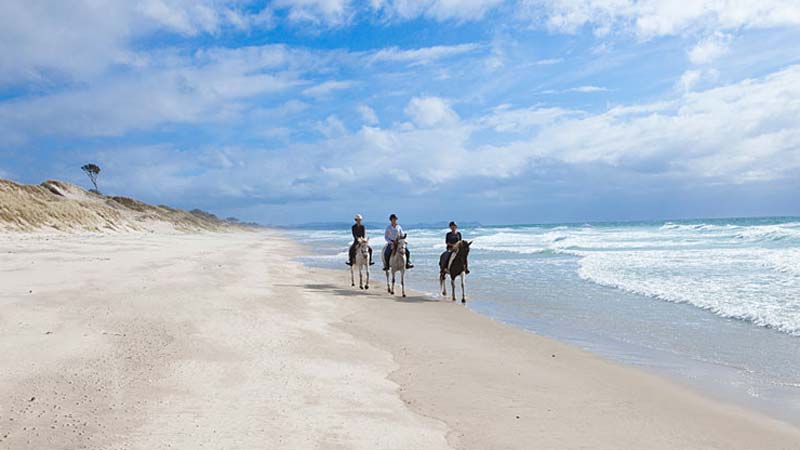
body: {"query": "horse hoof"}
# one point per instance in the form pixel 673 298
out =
pixel 366 287
pixel 404 295
pixel 361 287
pixel 463 300
pixel 353 285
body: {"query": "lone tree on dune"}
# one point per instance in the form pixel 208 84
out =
pixel 92 171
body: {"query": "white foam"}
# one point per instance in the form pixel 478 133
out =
pixel 732 283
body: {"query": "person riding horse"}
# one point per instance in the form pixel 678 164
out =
pixel 393 230
pixel 359 231
pixel 450 240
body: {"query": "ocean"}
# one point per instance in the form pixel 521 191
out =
pixel 714 304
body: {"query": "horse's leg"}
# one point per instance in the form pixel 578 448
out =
pixel 388 288
pixel 442 285
pixel 393 280
pixel 352 277
pixel 463 291
pixel 403 282
pixel 453 287
pixel 366 269
pixel 360 278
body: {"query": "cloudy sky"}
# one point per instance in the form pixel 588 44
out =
pixel 501 111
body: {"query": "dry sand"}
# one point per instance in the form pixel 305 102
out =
pixel 221 341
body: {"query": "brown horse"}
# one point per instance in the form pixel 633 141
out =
pixel 456 267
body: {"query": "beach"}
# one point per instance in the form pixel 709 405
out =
pixel 227 341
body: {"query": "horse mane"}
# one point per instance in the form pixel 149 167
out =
pixel 458 261
pixel 396 240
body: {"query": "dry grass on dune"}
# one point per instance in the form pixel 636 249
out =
pixel 55 205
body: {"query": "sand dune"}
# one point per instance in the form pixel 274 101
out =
pixel 56 205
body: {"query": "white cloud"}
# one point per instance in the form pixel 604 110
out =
pixel 430 112
pixel 548 62
pixel 327 88
pixel 710 48
pixel 211 86
pixel 459 10
pixel 424 55
pixel 505 119
pixel 331 127
pixel 691 78
pixel 725 133
pixel 721 136
pixel 587 89
pixel 368 114
pixel 651 18
pixel 324 12
pixel 580 89
pixel 45 40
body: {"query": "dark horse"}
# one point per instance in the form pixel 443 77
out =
pixel 456 267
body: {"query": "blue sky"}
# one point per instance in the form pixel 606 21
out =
pixel 499 111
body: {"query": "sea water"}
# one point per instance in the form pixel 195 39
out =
pixel 711 303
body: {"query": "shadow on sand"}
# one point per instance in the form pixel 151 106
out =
pixel 379 290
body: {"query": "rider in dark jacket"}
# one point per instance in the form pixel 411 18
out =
pixel 452 237
pixel 359 231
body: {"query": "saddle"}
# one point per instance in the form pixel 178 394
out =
pixel 445 268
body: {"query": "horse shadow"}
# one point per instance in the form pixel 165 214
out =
pixel 380 292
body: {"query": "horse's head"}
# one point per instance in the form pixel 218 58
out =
pixel 363 246
pixel 400 242
pixel 463 247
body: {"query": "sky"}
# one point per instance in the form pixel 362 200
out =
pixel 497 111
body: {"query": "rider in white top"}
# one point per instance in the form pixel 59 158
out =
pixel 393 230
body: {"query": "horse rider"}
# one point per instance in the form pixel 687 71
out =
pixel 393 230
pixel 359 231
pixel 451 239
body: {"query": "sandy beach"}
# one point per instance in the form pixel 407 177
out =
pixel 223 341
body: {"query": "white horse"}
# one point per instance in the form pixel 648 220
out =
pixel 361 261
pixel 397 263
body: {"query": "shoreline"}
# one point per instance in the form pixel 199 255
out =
pixel 420 384
pixel 727 359
pixel 698 397
pixel 223 340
